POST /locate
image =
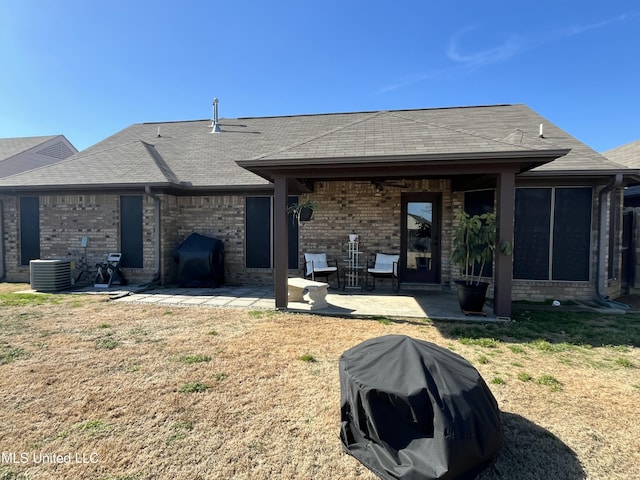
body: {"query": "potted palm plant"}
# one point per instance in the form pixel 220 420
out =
pixel 302 211
pixel 473 247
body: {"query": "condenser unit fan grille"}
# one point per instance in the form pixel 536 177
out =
pixel 50 275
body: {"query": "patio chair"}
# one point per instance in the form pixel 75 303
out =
pixel 383 265
pixel 317 265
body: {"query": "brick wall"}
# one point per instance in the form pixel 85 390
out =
pixel 343 207
pixel 346 207
pixel 221 217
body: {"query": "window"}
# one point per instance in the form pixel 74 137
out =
pixel 552 233
pixel 131 231
pixel 29 229
pixel 479 202
pixel 259 233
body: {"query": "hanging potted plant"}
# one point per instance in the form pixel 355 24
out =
pixel 473 247
pixel 302 211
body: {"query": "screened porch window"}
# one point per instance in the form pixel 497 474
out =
pixel 552 233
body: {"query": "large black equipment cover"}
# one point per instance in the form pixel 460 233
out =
pixel 412 410
pixel 200 261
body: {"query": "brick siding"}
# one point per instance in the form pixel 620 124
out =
pixel 343 207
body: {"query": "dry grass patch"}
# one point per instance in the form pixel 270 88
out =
pixel 259 398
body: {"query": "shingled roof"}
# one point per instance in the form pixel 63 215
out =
pixel 186 155
pixel 21 154
pixel 627 155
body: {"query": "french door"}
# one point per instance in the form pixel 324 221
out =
pixel 420 238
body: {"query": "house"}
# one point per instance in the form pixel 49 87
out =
pixel 144 189
pixel 628 155
pixel 26 153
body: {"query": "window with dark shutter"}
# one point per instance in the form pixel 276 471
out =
pixel 131 242
pixel 29 229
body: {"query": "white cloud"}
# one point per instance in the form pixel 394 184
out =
pixel 517 44
pixel 509 48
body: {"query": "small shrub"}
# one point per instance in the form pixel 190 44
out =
pixel 180 430
pixel 188 359
pixel 93 427
pixel 307 358
pixel 483 360
pixel 498 381
pixel 550 381
pixel 516 348
pixel 194 387
pixel 138 331
pixel 104 325
pixel 624 362
pixel 524 377
pixel 107 343
pixel 545 346
pixel 220 376
pixel 212 332
pixel 8 474
pixel 481 342
pixel 8 353
pixel 383 320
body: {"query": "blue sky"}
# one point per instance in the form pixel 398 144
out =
pixel 89 68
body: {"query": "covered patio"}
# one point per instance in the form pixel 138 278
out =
pixel 465 160
pixel 432 304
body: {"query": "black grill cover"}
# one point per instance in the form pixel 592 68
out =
pixel 413 410
pixel 200 262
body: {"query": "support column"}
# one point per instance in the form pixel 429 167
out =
pixel 281 244
pixel 505 213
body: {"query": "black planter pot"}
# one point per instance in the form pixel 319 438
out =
pixel 471 296
pixel 305 214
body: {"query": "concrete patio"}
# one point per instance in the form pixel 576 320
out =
pixel 436 305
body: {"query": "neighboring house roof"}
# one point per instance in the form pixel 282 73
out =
pixel 27 153
pixel 186 155
pixel 627 155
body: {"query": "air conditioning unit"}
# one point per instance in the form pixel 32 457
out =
pixel 50 275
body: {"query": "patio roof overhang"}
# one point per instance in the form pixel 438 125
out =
pixel 458 165
pixel 295 174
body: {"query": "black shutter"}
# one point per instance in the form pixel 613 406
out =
pixel 258 232
pixel 131 231
pixel 29 229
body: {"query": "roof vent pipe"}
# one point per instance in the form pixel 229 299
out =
pixel 215 126
pixel 541 134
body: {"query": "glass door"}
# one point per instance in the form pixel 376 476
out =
pixel 420 238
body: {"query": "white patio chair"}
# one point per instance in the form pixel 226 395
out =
pixel 384 265
pixel 317 265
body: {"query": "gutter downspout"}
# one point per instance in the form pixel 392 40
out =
pixel 157 203
pixel 602 238
pixel 2 270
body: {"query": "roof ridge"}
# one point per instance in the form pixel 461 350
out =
pixel 160 163
pixel 323 134
pixel 479 135
pixel 460 107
